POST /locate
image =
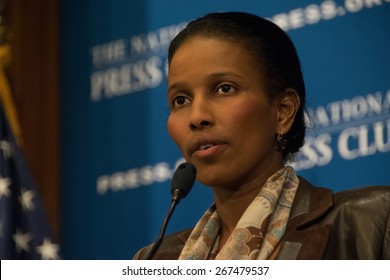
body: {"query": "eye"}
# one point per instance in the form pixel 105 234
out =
pixel 225 89
pixel 179 101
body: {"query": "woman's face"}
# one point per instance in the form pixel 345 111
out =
pixel 221 117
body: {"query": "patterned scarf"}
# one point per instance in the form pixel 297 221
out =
pixel 259 230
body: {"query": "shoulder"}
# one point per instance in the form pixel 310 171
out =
pixel 364 196
pixel 360 224
pixel 169 249
pixel 376 198
pixel 355 223
pixel 368 205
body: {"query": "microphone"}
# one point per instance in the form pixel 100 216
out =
pixel 182 181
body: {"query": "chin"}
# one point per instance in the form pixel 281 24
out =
pixel 205 177
pixel 212 173
pixel 212 180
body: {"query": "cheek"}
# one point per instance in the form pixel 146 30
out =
pixel 253 120
pixel 170 126
pixel 174 129
pixel 249 113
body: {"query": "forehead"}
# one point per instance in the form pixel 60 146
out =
pixel 205 41
pixel 212 54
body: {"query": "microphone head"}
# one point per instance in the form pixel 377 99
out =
pixel 182 181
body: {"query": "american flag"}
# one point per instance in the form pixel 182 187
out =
pixel 24 230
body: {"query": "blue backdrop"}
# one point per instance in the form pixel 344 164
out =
pixel 117 157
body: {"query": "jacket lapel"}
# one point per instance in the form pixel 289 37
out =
pixel 305 237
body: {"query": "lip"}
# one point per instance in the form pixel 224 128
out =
pixel 195 146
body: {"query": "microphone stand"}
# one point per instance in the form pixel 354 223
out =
pixel 182 181
pixel 159 240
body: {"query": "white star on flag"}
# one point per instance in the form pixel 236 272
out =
pixel 22 240
pixel 26 199
pixel 4 186
pixel 23 223
pixel 6 147
pixel 48 250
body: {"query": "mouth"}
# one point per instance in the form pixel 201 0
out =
pixel 205 147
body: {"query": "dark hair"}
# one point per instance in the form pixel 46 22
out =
pixel 276 57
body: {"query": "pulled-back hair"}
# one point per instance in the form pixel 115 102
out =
pixel 273 50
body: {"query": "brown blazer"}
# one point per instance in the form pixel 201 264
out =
pixel 352 224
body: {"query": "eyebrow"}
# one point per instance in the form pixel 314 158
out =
pixel 225 74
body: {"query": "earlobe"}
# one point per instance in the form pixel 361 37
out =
pixel 288 104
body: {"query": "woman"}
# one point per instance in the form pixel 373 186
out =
pixel 237 99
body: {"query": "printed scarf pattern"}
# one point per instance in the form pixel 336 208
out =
pixel 259 230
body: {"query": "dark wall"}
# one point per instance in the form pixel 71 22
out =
pixel 33 76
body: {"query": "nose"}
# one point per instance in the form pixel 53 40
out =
pixel 201 114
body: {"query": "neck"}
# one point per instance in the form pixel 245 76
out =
pixel 231 204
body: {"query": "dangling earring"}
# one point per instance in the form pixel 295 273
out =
pixel 280 142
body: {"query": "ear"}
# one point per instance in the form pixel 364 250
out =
pixel 287 103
